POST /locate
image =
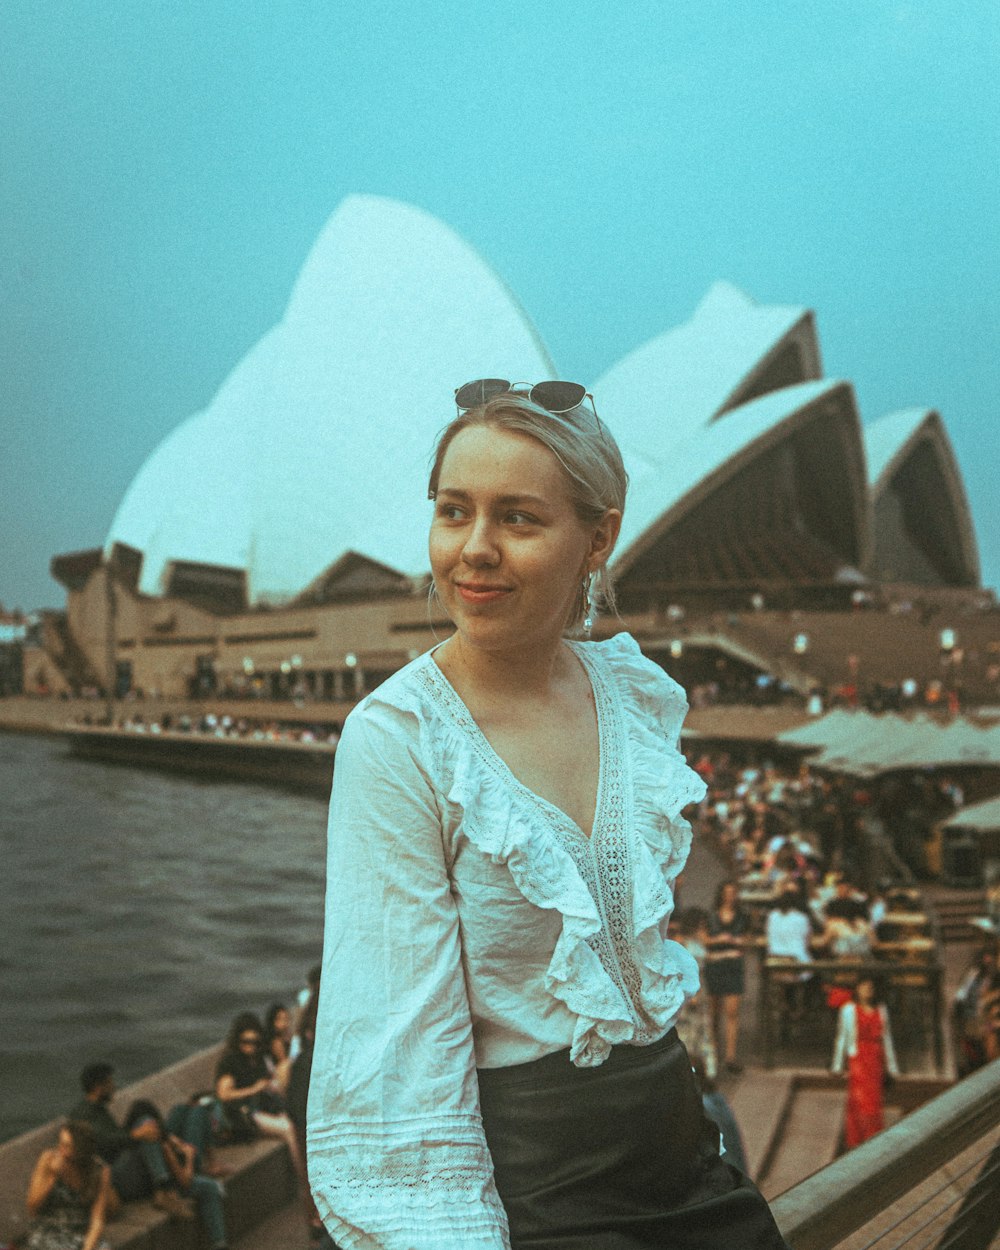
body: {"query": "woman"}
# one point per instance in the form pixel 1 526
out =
pixel 495 1042
pixel 245 1089
pixel 724 972
pixel 864 1038
pixel 277 1042
pixel 69 1193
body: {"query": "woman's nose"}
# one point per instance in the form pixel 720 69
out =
pixel 481 544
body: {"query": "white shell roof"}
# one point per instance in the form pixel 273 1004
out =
pixel 888 442
pixel 677 382
pixel 318 443
pixel 888 436
pixel 666 474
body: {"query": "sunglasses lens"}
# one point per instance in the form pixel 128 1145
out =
pixel 480 392
pixel 558 396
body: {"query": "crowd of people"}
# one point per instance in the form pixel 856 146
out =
pixel 816 878
pixel 173 1159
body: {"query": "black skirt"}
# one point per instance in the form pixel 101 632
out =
pixel 617 1157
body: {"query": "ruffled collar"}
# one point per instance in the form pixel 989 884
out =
pixel 612 965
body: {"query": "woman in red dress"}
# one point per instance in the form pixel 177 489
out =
pixel 864 1038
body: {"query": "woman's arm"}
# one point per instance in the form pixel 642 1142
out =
pixel 179 1158
pixel 891 1065
pixel 226 1091
pixel 98 1211
pixel 397 1154
pixel 42 1179
pixel 845 1031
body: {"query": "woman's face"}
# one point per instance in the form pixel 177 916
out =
pixel 66 1146
pixel 507 549
pixel 282 1020
pixel 866 992
pixel 248 1043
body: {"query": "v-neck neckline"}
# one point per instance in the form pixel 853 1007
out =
pixel 460 710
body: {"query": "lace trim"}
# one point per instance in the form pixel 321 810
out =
pixel 430 1176
pixel 632 878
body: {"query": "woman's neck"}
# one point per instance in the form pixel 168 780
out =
pixel 531 672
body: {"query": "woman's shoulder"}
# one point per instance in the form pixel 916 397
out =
pixel 621 657
pixel 404 729
pixel 394 709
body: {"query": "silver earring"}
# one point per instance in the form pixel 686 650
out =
pixel 590 608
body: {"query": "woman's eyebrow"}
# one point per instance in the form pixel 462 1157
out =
pixel 505 500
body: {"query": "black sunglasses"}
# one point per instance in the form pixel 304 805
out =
pixel 555 397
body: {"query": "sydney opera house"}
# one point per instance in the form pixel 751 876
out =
pixel 276 540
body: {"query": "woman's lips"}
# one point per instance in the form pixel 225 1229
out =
pixel 481 594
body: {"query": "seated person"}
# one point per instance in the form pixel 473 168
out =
pixel 136 1157
pixel 207 1194
pixel 250 1102
pixel 848 934
pixel 68 1194
pixel 277 1043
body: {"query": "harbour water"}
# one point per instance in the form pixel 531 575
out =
pixel 140 911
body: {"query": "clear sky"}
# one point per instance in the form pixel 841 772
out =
pixel 165 166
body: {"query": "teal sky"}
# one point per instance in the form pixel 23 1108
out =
pixel 165 168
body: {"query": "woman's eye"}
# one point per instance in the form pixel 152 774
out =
pixel 448 511
pixel 521 518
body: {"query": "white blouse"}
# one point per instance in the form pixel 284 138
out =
pixel 470 922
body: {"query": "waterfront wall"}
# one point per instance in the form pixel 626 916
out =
pixel 262 1180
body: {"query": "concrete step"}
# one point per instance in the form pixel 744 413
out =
pixel 808 1140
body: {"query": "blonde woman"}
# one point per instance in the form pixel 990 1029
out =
pixel 496 1063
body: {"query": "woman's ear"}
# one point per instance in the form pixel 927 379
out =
pixel 603 539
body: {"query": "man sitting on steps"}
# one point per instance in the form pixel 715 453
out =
pixel 136 1158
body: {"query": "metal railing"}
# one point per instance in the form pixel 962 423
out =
pixel 857 1188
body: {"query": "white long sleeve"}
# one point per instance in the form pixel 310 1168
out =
pixel 845 1043
pixel 397 1155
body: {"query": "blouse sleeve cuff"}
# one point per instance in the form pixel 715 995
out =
pixel 383 1187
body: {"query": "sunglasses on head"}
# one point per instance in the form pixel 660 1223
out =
pixel 555 397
